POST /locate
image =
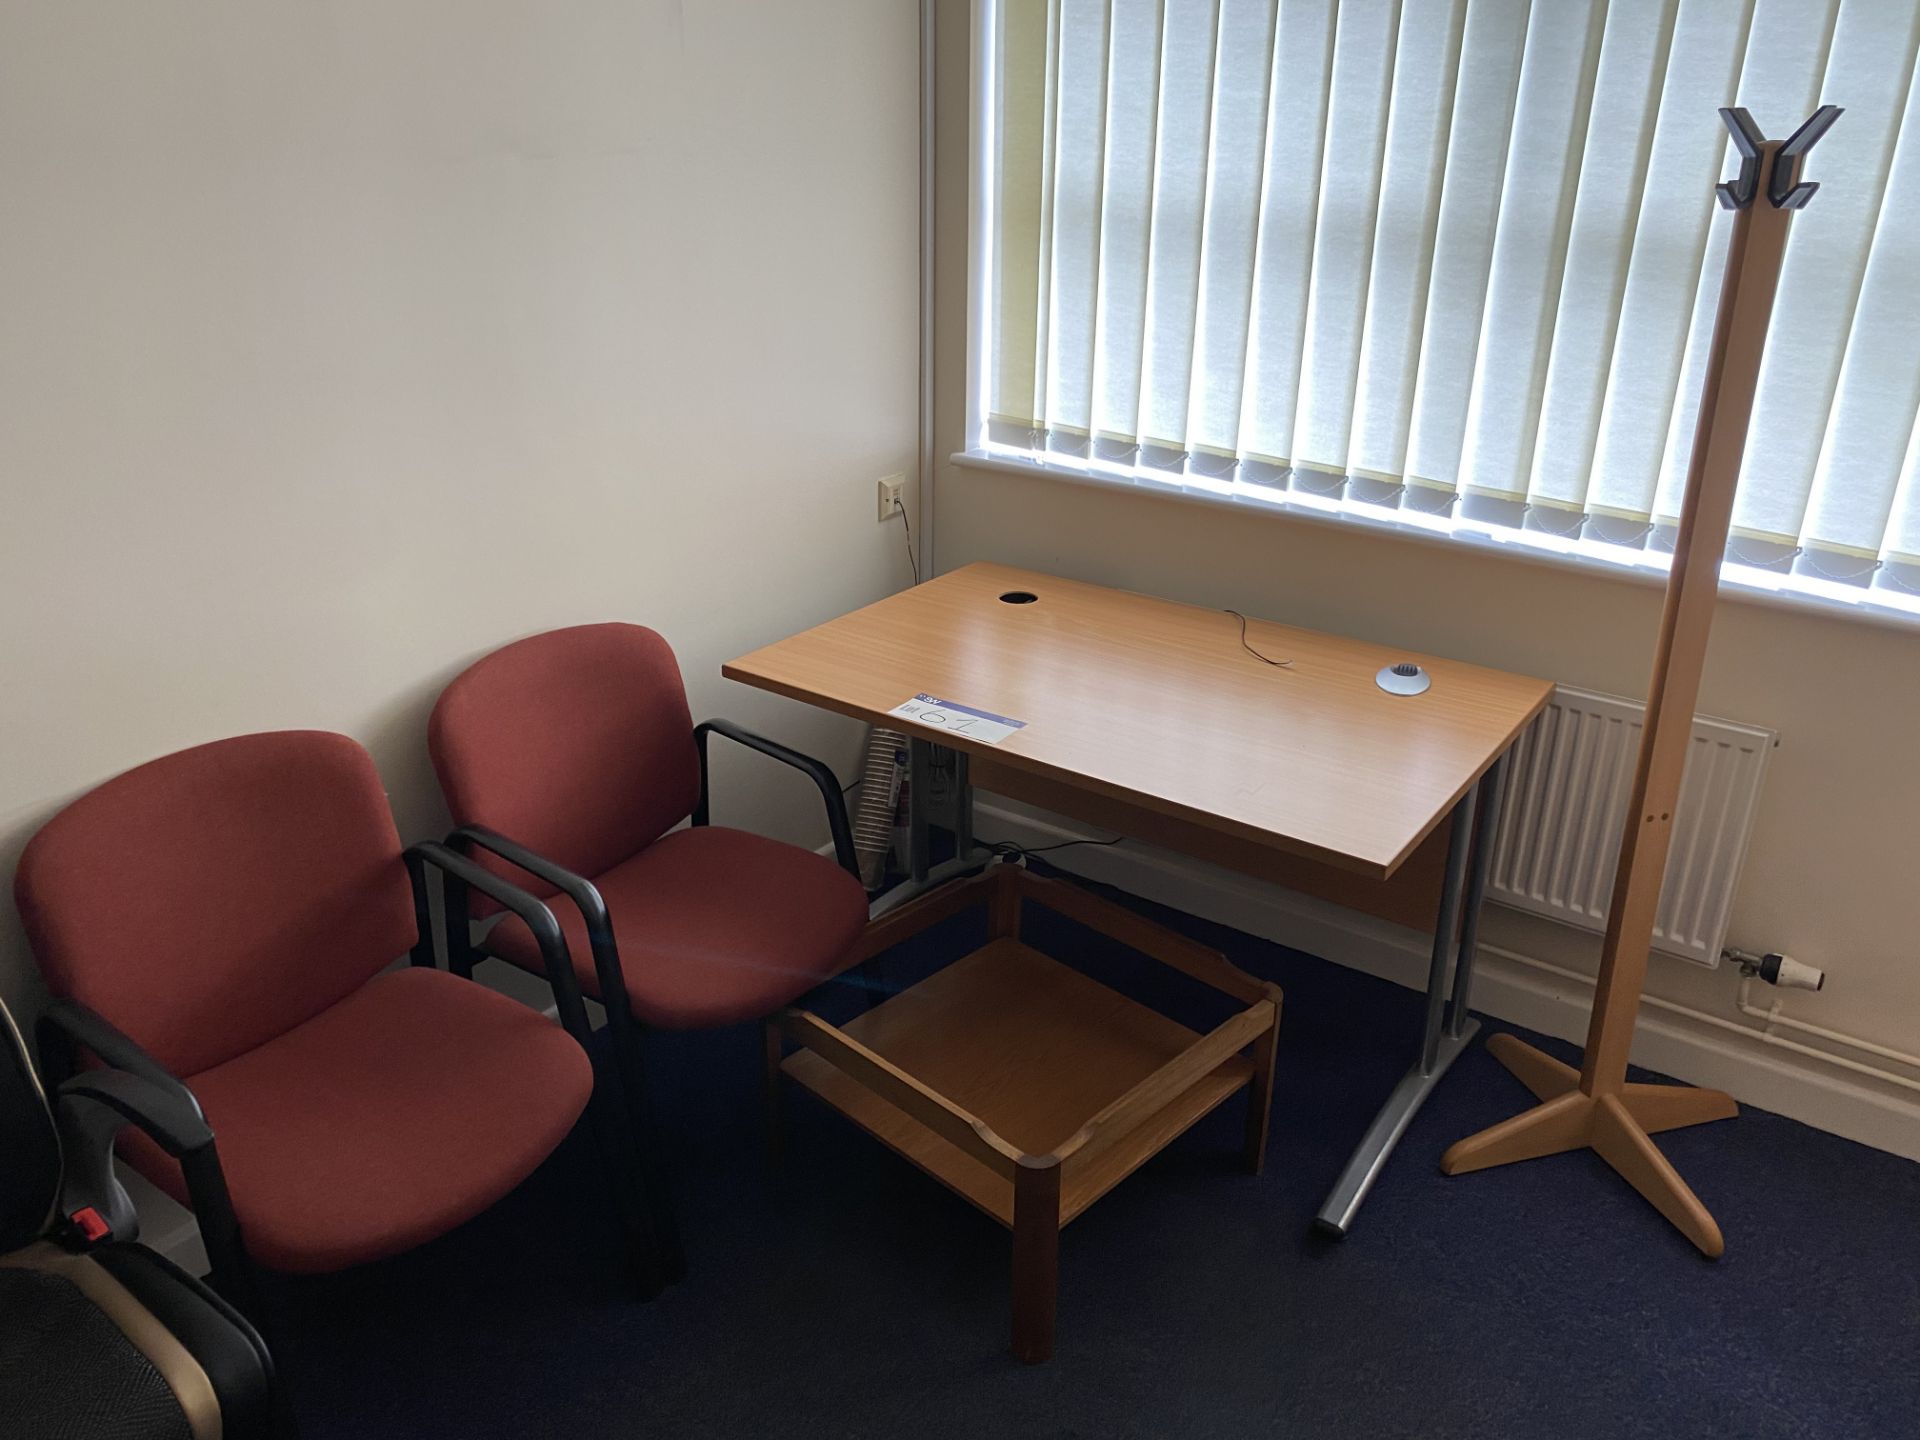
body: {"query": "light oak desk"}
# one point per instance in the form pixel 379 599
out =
pixel 1151 719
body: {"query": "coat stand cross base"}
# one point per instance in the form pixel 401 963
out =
pixel 1616 1124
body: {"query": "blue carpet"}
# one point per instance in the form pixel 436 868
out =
pixel 853 1297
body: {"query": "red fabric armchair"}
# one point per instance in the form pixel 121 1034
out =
pixel 567 760
pixel 220 922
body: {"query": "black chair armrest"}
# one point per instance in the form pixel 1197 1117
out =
pixel 554 955
pixel 170 1116
pixel 79 1026
pixel 822 777
pixel 91 1106
pixel 577 888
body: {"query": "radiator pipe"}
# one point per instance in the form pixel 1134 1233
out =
pixel 1772 1016
pixel 1765 1036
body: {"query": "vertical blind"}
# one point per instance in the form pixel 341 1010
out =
pixel 1459 257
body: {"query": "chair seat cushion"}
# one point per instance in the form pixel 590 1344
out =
pixel 714 926
pixel 388 1119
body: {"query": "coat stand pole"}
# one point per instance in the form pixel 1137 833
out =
pixel 1596 1106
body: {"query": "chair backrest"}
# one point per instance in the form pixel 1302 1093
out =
pixel 210 900
pixel 29 1145
pixel 577 743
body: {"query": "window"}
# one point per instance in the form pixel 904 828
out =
pixel 1454 263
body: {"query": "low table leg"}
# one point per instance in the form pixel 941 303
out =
pixel 1036 1259
pixel 1260 1098
pixel 1443 1036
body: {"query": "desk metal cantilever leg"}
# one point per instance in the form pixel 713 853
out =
pixel 1448 1029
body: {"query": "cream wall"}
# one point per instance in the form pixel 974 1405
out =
pixel 1831 877
pixel 342 342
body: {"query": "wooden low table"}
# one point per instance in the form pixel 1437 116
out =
pixel 1025 1087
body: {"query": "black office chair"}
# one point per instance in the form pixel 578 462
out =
pixel 100 1337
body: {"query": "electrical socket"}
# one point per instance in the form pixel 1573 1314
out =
pixel 892 496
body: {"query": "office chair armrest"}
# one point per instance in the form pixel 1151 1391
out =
pixel 824 778
pixel 554 956
pixel 93 1106
pixel 577 888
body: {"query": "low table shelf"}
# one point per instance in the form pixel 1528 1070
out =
pixel 1025 1087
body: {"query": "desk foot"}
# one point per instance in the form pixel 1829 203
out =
pixel 1615 1124
pixel 1344 1201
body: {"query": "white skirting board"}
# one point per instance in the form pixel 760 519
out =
pixel 1750 1070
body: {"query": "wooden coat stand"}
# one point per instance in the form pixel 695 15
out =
pixel 1596 1106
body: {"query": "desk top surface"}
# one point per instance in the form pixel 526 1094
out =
pixel 1157 703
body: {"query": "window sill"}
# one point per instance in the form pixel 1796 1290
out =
pixel 1737 582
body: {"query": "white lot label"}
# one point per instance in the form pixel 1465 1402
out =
pixel 961 720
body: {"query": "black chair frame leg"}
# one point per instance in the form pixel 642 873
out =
pixel 626 1192
pixel 608 1108
pixel 650 1151
pixel 623 1029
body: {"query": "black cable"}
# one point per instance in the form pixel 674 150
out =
pixel 1007 847
pixel 911 560
pixel 1264 659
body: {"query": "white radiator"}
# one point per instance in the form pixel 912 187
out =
pixel 1566 804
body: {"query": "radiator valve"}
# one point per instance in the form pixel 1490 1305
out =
pixel 1778 969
